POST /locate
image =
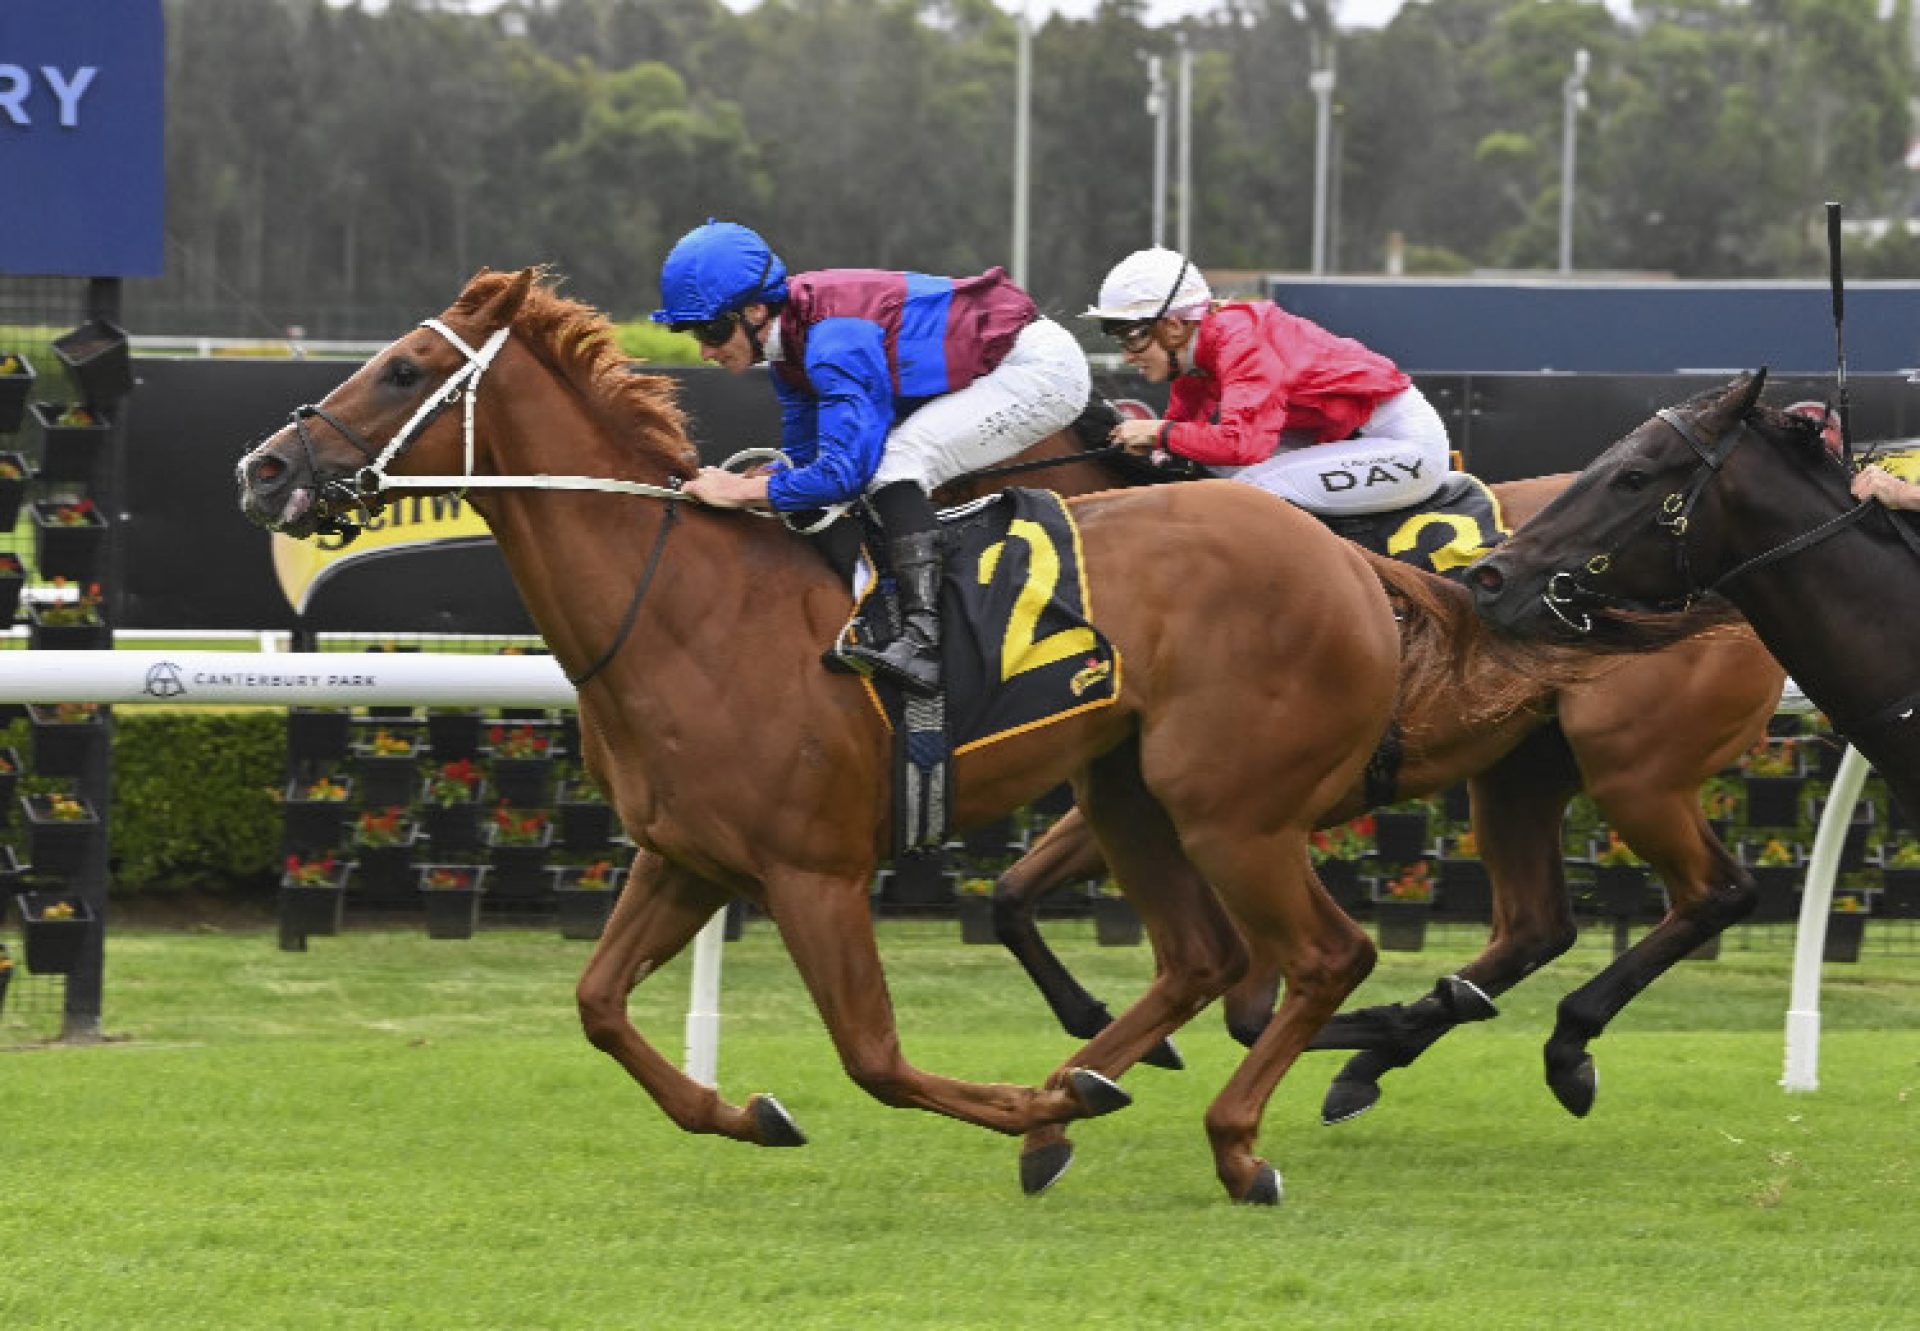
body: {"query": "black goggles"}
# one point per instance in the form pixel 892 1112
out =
pixel 1133 335
pixel 714 332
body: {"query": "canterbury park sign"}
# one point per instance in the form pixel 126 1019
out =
pixel 410 523
pixel 82 162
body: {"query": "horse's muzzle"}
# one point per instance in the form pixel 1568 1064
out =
pixel 273 493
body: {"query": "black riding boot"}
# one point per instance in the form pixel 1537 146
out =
pixel 912 660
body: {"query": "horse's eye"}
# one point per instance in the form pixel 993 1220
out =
pixel 1632 480
pixel 403 374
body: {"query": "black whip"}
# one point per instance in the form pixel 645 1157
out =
pixel 1838 285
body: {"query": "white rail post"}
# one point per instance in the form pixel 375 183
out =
pixel 1803 1011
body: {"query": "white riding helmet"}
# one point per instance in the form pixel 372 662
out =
pixel 1152 284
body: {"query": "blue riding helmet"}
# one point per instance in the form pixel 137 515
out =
pixel 716 268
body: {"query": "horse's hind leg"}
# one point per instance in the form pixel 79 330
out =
pixel 1197 952
pixel 660 910
pixel 1067 852
pixel 1517 808
pixel 827 926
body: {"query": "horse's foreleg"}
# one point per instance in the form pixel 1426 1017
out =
pixel 660 910
pixel 827 926
pixel 1066 852
pixel 1517 808
pixel 1197 951
pixel 1707 891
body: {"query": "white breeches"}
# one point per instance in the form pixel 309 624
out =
pixel 1399 457
pixel 1039 389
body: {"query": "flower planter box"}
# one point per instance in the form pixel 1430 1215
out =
pixel 1402 925
pixel 1899 893
pixel 385 874
pixel 9 775
pixel 452 827
pixel 68 453
pixel 310 824
pixel 976 917
pixel 1115 922
pixel 66 748
pixel 13 579
pixel 452 912
pixel 524 783
pixel 586 825
pixel 453 734
pixel 13 487
pixel 58 846
pixel 1401 836
pixel 311 909
pixel 582 911
pixel 519 869
pixel 55 636
pixel 97 359
pixel 53 947
pixel 1845 932
pixel 1456 802
pixel 15 389
pixel 69 550
pixel 386 780
pixel 1773 801
pixel 318 734
pixel 1779 885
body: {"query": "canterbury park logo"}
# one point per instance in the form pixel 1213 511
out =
pixel 164 681
pixel 415 522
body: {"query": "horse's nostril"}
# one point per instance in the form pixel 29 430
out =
pixel 1487 578
pixel 267 470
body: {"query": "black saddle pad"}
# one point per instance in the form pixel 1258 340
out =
pixel 1443 534
pixel 1019 647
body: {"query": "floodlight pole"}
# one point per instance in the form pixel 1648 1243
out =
pixel 1022 142
pixel 1573 101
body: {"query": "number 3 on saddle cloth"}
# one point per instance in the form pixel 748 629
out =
pixel 1018 649
pixel 1457 524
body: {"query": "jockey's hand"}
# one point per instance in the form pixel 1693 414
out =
pixel 1874 483
pixel 725 489
pixel 1136 436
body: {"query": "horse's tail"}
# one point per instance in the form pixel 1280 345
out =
pixel 1450 658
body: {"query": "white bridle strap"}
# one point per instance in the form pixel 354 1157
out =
pixel 465 382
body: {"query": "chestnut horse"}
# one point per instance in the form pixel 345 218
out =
pixel 1641 736
pixel 1726 495
pixel 743 768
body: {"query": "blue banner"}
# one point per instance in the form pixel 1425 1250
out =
pixel 82 162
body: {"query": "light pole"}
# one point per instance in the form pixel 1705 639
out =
pixel 1321 81
pixel 1157 108
pixel 1573 102
pixel 1022 142
pixel 1184 171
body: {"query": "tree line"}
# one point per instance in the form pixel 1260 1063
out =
pixel 345 168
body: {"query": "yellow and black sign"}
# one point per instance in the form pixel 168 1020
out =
pixel 409 523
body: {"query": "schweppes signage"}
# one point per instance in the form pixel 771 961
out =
pixel 410 523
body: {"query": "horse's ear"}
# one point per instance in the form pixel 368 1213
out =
pixel 1739 396
pixel 500 310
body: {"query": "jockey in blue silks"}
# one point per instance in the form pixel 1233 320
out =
pixel 890 385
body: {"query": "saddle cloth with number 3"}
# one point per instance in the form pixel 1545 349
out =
pixel 1019 647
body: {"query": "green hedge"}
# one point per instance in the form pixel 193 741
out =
pixel 195 800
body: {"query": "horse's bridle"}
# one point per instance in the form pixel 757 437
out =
pixel 1568 597
pixel 463 385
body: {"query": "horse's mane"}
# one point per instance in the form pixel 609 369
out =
pixel 577 341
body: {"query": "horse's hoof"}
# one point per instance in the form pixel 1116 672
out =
pixel 775 1126
pixel 1348 1099
pixel 1040 1169
pixel 1575 1086
pixel 1097 1094
pixel 1164 1055
pixel 1265 1189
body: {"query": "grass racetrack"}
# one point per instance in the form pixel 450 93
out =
pixel 391 1132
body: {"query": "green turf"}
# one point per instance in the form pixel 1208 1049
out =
pixel 390 1132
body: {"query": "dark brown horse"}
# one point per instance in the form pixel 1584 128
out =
pixel 1726 495
pixel 743 768
pixel 1640 736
